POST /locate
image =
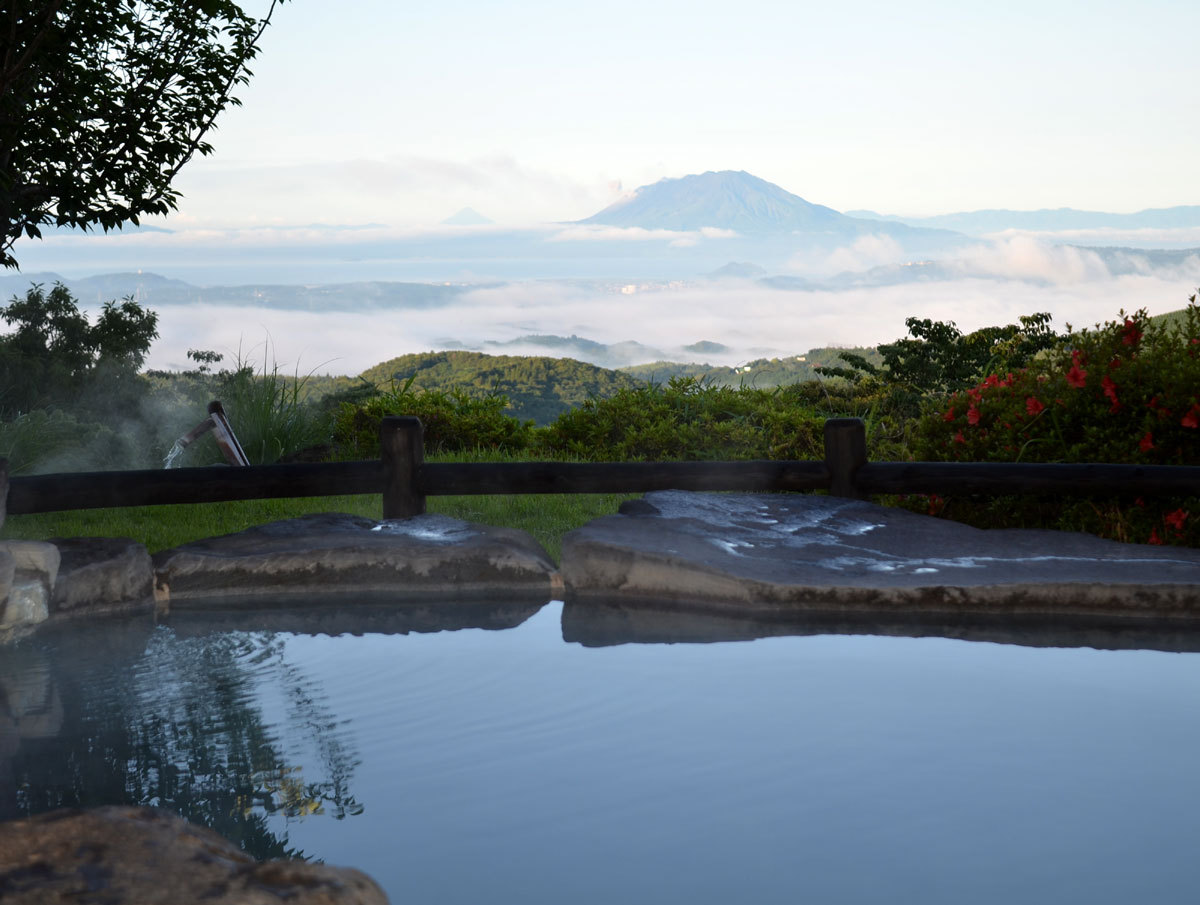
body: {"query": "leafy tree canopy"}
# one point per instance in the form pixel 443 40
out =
pixel 103 101
pixel 936 357
pixel 54 353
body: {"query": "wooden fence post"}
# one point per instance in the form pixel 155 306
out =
pixel 402 447
pixel 3 490
pixel 845 452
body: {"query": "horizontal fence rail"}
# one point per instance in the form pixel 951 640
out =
pixel 450 479
pixel 218 484
pixel 998 478
pixel 404 479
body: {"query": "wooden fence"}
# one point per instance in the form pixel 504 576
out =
pixel 405 479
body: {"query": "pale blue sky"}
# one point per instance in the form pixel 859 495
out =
pixel 374 111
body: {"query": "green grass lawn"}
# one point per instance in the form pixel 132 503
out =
pixel 545 516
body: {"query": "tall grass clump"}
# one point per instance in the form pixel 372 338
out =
pixel 268 411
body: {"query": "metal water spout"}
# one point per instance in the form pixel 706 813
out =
pixel 218 423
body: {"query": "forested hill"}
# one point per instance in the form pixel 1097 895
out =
pixel 762 372
pixel 537 387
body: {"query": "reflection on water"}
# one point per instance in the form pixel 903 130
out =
pixel 151 719
pixel 475 765
pixel 600 623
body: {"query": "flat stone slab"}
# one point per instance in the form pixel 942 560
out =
pixel 776 555
pixel 319 557
pixel 102 574
pixel 144 856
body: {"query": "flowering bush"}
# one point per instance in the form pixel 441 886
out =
pixel 1127 391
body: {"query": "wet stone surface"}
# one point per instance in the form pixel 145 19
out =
pixel 420 558
pixel 125 855
pixel 823 553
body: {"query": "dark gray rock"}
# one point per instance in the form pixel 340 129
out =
pixel 143 856
pixel 102 574
pixel 776 555
pixel 428 557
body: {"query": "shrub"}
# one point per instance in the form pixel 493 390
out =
pixel 44 441
pixel 453 421
pixel 1127 391
pixel 686 420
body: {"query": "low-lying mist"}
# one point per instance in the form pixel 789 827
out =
pixel 751 320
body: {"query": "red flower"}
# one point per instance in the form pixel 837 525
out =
pixel 1192 418
pixel 1147 442
pixel 992 381
pixel 1154 538
pixel 972 415
pixel 1114 364
pixel 1131 334
pixel 1176 519
pixel 1110 388
pixel 1077 377
pixel 949 416
pixel 959 438
pixel 1033 406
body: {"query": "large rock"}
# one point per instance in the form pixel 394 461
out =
pixel 143 856
pixel 109 574
pixel 326 556
pixel 778 555
pixel 26 603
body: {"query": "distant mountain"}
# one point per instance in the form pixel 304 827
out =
pixel 707 347
pixel 154 290
pixel 604 355
pixel 736 270
pixel 467 217
pixel 724 200
pixel 754 211
pixel 977 223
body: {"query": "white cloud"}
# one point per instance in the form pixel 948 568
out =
pixel 586 232
pixel 397 190
pixel 1181 237
pixel 863 253
pixel 1023 257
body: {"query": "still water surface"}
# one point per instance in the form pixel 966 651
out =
pixel 509 766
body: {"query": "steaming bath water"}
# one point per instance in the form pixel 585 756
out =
pixel 509 766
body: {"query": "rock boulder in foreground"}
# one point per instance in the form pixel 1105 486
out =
pixel 427 557
pixel 776 555
pixel 144 856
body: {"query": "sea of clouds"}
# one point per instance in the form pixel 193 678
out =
pixel 752 320
pixel 990 281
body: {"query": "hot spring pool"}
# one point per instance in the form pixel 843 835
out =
pixel 509 766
